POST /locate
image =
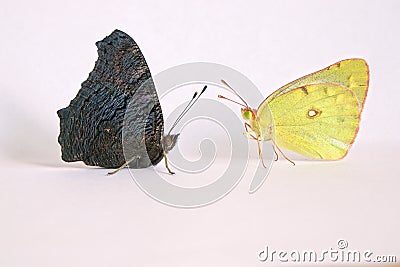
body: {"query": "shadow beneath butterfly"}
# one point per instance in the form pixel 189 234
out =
pixel 26 139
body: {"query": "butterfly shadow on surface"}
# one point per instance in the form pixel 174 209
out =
pixel 27 140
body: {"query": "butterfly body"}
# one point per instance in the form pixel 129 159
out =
pixel 317 115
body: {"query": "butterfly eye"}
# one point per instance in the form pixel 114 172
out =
pixel 247 115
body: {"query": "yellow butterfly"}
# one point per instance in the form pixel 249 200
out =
pixel 317 115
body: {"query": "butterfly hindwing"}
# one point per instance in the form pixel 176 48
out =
pixel 338 90
pixel 92 126
pixel 316 120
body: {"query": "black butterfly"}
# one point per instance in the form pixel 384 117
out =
pixel 91 127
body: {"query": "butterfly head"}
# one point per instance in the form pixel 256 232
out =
pixel 248 114
pixel 169 141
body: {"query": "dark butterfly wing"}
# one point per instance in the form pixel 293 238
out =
pixel 91 126
pixel 143 128
pixel 154 131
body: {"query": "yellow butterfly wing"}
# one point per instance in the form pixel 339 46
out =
pixel 349 73
pixel 336 95
pixel 316 120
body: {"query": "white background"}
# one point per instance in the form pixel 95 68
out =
pixel 58 214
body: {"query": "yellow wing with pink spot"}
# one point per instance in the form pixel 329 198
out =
pixel 318 115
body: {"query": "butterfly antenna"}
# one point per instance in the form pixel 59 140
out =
pixel 223 97
pixel 184 112
pixel 236 93
pixel 180 115
pixel 193 101
pixel 187 108
pixel 190 105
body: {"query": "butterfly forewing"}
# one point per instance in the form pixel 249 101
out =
pixel 349 73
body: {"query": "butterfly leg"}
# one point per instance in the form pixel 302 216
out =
pixel 276 154
pixel 283 154
pixel 122 166
pixel 247 127
pixel 260 152
pixel 250 135
pixel 248 132
pixel 166 163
